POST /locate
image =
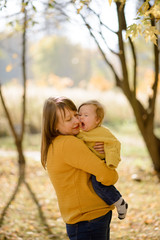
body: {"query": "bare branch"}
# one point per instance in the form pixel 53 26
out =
pixel 118 82
pixel 135 66
pixel 8 115
pixel 100 21
pixel 11 15
pixel 152 98
pixel 24 72
pixel 122 24
pixel 115 53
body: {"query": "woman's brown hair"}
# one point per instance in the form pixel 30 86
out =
pixel 49 122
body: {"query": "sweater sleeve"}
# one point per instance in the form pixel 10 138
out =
pixel 79 156
pixel 112 148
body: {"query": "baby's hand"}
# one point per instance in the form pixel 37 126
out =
pixel 99 147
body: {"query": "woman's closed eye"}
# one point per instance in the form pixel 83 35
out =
pixel 68 119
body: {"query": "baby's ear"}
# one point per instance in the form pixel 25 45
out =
pixel 98 121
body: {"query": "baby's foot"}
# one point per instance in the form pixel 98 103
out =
pixel 122 207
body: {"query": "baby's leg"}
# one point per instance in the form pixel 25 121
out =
pixel 111 196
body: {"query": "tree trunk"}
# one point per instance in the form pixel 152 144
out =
pixel 144 116
pixel 21 161
pixel 18 138
pixel 152 143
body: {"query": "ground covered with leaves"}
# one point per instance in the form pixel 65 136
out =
pixel 138 184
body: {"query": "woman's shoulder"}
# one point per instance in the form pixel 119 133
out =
pixel 66 139
pixel 67 142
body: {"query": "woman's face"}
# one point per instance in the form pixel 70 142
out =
pixel 68 123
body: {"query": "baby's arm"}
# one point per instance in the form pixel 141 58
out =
pixel 112 149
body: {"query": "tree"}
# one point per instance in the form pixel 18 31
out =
pixel 128 83
pixel 49 59
pixel 19 135
pixel 91 14
pixel 144 14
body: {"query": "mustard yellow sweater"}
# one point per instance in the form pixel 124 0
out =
pixel 70 164
pixel 111 145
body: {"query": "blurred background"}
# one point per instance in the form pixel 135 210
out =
pixel 50 48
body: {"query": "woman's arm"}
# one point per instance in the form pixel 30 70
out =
pixel 77 155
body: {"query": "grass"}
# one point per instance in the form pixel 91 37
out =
pixel 138 184
pixel 117 109
pixel 31 142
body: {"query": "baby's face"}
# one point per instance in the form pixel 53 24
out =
pixel 88 117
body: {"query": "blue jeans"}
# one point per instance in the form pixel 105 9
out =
pixel 96 229
pixel 108 193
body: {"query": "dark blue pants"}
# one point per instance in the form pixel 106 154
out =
pixel 96 229
pixel 108 193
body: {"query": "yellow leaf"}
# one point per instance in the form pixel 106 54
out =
pixel 14 55
pixel 148 221
pixel 144 7
pixel 79 9
pixel 9 68
pixel 22 9
pixel 133 31
pixel 110 1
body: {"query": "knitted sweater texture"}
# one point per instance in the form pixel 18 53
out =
pixel 112 146
pixel 70 164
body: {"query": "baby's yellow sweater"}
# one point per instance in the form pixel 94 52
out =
pixel 111 145
pixel 70 164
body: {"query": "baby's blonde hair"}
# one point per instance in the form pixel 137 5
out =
pixel 99 108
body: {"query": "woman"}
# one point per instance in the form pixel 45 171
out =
pixel 70 164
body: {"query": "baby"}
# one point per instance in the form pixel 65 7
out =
pixel 91 114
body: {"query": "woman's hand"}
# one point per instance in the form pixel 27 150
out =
pixel 99 147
